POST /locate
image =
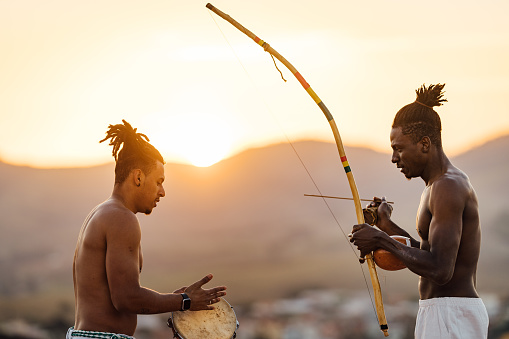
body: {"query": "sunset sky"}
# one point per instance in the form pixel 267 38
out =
pixel 70 68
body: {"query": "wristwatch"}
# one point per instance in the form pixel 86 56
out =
pixel 186 302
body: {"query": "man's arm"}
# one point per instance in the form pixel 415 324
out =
pixel 385 223
pixel 122 269
pixel 446 204
pixel 390 227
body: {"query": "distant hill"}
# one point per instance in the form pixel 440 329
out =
pixel 244 219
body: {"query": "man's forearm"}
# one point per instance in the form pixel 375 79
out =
pixel 420 262
pixel 391 228
pixel 147 301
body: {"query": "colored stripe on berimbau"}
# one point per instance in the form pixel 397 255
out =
pixel 347 169
pixel 343 158
pixel 313 95
pixel 301 80
pixel 325 111
pixel 345 164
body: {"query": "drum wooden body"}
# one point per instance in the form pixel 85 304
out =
pixel 386 260
pixel 220 323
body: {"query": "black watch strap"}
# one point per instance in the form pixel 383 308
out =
pixel 186 302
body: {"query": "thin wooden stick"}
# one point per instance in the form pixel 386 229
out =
pixel 327 196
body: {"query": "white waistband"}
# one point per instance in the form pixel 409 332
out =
pixel 451 301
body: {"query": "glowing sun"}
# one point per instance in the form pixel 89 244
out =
pixel 198 139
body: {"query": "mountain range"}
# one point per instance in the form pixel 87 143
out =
pixel 244 219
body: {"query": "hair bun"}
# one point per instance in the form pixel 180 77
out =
pixel 431 96
pixel 125 134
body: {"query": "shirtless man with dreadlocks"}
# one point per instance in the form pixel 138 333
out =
pixel 108 257
pixel 448 225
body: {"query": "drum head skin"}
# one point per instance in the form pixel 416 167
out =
pixel 220 323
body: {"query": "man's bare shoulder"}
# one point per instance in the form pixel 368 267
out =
pixel 113 216
pixel 452 189
pixel 454 180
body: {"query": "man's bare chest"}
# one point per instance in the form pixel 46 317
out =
pixel 423 221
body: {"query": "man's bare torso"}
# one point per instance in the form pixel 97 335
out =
pixel 462 283
pixel 94 308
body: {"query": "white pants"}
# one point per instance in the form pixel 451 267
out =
pixel 451 318
pixel 78 334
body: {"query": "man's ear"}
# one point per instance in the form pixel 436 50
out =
pixel 137 177
pixel 425 144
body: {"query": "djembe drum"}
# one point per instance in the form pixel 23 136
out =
pixel 220 323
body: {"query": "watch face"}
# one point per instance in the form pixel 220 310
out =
pixel 187 304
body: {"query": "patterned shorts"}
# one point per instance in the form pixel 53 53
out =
pixel 78 334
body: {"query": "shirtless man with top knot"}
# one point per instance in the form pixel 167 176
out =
pixel 446 256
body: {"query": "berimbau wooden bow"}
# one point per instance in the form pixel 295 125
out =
pixel 358 208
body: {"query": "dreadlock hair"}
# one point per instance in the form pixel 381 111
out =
pixel 419 119
pixel 136 151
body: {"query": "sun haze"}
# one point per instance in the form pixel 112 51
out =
pixel 200 139
pixel 69 69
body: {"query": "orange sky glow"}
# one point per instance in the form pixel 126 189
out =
pixel 69 69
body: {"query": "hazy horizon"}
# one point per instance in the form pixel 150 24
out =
pixel 111 160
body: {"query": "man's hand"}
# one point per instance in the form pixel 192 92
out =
pixel 384 212
pixel 365 238
pixel 203 299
